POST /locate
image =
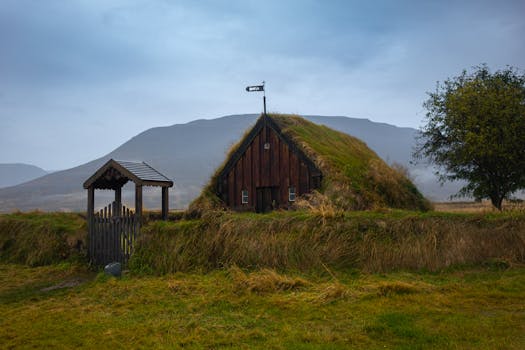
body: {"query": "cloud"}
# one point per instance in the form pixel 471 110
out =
pixel 93 66
pixel 56 43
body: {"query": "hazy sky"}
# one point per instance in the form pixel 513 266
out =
pixel 79 78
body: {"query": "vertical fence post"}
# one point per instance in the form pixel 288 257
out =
pixel 107 214
pixel 113 233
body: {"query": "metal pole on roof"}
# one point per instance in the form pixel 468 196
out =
pixel 255 88
pixel 264 100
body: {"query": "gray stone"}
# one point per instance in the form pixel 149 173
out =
pixel 113 269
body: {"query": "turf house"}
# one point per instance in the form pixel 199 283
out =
pixel 285 161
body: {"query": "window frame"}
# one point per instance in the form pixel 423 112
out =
pixel 292 194
pixel 244 196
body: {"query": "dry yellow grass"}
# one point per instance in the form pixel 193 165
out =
pixel 477 207
pixel 309 241
pixel 264 281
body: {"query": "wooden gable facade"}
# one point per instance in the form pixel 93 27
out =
pixel 267 171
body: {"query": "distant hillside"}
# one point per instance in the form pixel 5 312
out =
pixel 188 153
pixel 12 174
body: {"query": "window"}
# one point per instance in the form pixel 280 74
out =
pixel 267 145
pixel 291 193
pixel 244 196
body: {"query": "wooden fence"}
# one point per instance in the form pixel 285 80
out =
pixel 112 235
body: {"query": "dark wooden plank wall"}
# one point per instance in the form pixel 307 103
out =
pixel 277 167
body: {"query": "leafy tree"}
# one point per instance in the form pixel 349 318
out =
pixel 475 131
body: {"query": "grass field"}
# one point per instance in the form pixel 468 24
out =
pixel 65 306
pixel 306 280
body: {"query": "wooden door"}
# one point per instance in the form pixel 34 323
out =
pixel 266 199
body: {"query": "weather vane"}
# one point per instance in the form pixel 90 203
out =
pixel 258 88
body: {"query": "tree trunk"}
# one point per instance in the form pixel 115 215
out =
pixel 496 201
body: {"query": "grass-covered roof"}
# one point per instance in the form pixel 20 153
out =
pixel 354 177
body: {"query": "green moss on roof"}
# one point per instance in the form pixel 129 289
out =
pixel 354 177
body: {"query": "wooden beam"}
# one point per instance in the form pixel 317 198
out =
pixel 157 183
pixel 138 204
pixel 165 203
pixel 118 201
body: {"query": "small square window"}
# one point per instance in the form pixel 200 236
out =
pixel 291 193
pixel 244 197
pixel 267 145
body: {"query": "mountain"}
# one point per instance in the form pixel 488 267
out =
pixel 189 153
pixel 12 174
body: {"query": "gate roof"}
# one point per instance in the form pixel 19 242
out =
pixel 115 173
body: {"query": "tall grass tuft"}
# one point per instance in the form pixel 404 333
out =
pixel 264 281
pixel 249 241
pixel 440 242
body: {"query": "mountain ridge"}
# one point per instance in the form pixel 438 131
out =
pixel 12 174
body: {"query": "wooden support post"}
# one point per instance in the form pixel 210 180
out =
pixel 138 204
pixel 118 201
pixel 91 223
pixel 90 203
pixel 165 203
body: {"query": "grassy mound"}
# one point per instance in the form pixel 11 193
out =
pixel 38 238
pixel 354 177
pixel 305 241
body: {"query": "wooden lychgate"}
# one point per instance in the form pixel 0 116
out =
pixel 113 230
